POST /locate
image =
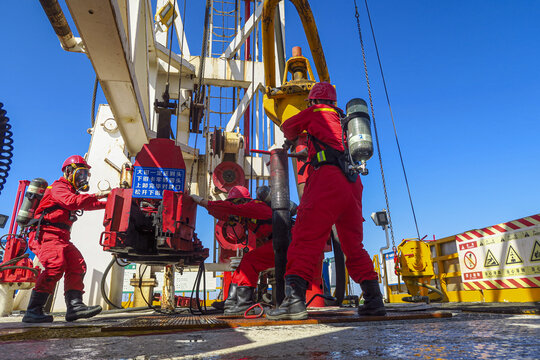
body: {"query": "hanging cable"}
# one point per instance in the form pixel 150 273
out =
pixel 392 117
pixel 201 275
pixel 102 284
pixel 357 15
pixel 198 94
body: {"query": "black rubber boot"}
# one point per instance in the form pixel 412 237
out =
pixel 34 311
pixel 244 300
pixel 76 308
pixel 229 302
pixel 293 306
pixel 373 299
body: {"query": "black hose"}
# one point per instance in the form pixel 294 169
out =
pixel 433 290
pixel 35 271
pixel 328 298
pixel 14 260
pixel 339 259
pixel 6 147
pixel 103 278
pixel 195 290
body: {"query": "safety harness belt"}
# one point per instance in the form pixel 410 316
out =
pixel 41 221
pixel 328 156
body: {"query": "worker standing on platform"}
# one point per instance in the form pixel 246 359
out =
pixel 258 216
pixel 50 241
pixel 329 198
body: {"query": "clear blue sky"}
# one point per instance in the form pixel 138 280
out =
pixel 463 78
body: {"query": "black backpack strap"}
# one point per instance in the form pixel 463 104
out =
pixel 40 221
pixel 329 156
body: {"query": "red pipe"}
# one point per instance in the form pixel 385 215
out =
pixel 260 151
pixel 23 184
pixel 266 152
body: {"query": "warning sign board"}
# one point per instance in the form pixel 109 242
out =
pixel 470 260
pixel 491 260
pixel 535 255
pixel 502 252
pixel 513 257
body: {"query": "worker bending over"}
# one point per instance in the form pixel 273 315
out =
pixel 329 198
pixel 50 241
pixel 257 214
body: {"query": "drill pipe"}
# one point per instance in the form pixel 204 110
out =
pixel 281 217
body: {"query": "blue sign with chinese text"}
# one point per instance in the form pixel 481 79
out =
pixel 150 182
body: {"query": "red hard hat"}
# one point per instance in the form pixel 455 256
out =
pixel 323 91
pixel 239 192
pixel 74 159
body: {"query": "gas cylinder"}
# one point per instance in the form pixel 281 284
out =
pixel 32 197
pixel 126 176
pixel 359 131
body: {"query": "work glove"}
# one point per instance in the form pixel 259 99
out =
pixel 288 144
pixel 103 194
pixel 198 199
pixel 300 155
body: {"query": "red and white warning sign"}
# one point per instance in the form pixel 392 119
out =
pixel 502 256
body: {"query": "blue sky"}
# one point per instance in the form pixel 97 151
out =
pixel 463 79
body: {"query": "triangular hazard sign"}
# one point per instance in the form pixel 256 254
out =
pixel 513 257
pixel 490 260
pixel 535 256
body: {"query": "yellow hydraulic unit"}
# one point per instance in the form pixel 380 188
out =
pixel 289 99
pixel 415 267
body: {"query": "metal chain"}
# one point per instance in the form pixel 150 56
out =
pixel 392 117
pixel 357 15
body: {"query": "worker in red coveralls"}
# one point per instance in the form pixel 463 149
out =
pixel 329 198
pixel 50 241
pixel 258 214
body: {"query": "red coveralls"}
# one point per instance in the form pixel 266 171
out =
pixel 259 259
pixel 57 254
pixel 329 198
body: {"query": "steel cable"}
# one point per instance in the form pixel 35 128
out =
pixel 392 117
pixel 357 15
pixel 94 93
pixel 198 94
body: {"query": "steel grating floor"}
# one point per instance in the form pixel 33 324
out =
pixel 326 316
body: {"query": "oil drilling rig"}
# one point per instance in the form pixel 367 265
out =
pixel 177 124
